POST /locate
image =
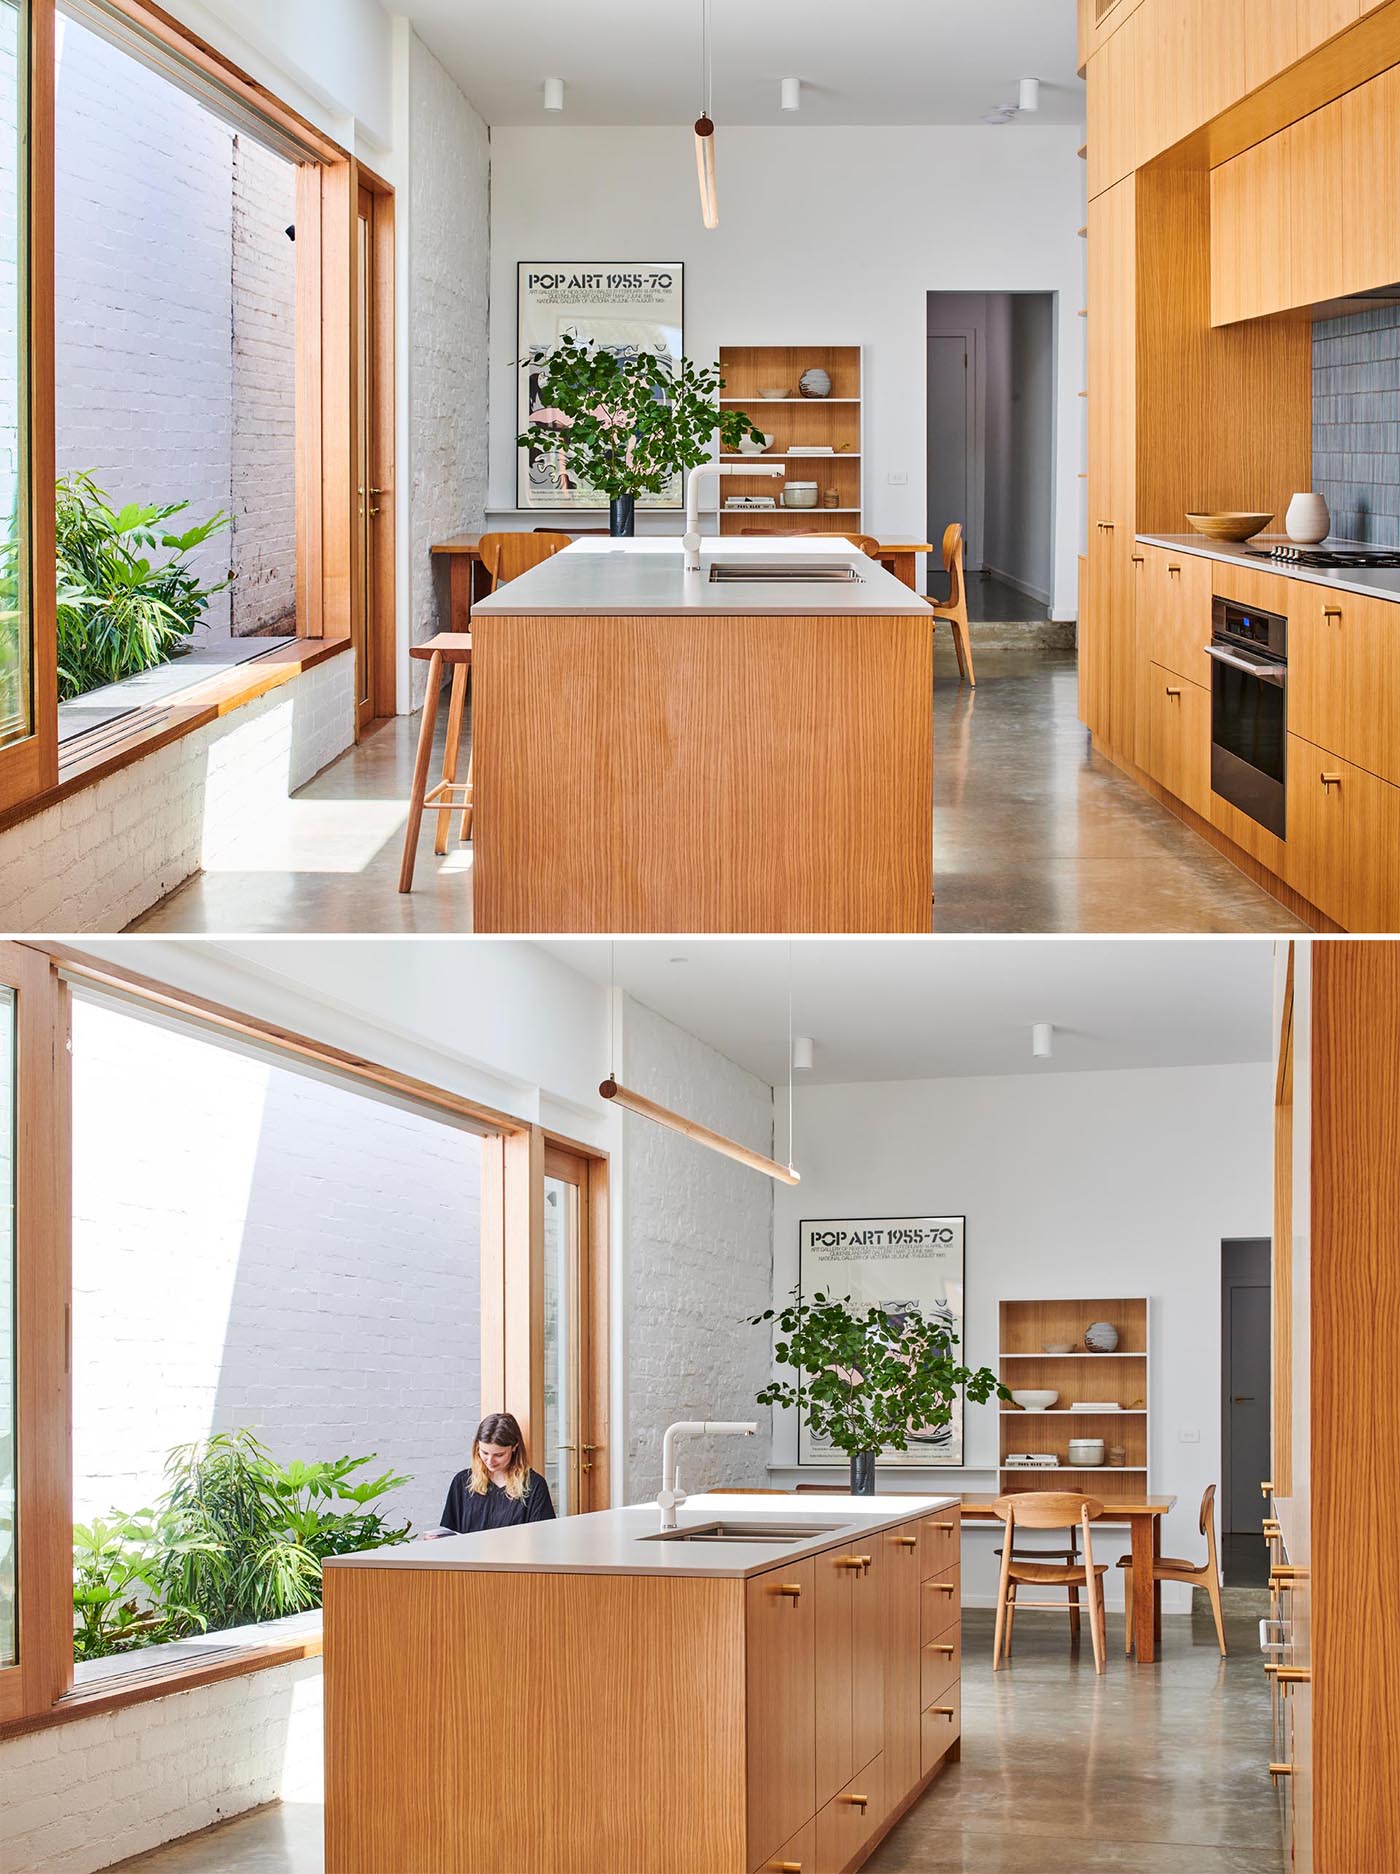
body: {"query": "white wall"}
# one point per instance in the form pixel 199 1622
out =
pixel 284 1253
pixel 699 1260
pixel 1091 1184
pixel 825 235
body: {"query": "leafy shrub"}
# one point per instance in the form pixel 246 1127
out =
pixel 235 1538
pixel 120 610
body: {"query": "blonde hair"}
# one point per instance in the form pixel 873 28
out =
pixel 501 1428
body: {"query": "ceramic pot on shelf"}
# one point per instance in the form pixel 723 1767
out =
pixel 1307 521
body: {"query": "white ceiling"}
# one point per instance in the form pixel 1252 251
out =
pixel 916 1008
pixel 638 61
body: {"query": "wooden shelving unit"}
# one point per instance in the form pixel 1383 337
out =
pixel 833 420
pixel 1026 1327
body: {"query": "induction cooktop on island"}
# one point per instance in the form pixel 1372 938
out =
pixel 1288 555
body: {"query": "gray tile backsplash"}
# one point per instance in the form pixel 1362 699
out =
pixel 1356 423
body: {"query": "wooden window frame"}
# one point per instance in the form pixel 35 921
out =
pixel 328 181
pixel 40 1692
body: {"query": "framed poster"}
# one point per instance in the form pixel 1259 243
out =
pixel 903 1265
pixel 628 306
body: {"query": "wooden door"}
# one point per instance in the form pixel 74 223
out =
pixel 903 1575
pixel 1251 232
pixel 781 1612
pixel 835 1758
pixel 1109 652
pixel 573 1442
pixel 372 560
pixel 868 1590
pixel 1344 675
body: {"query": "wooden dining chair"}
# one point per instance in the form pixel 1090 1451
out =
pixel 1048 1509
pixel 1070 1554
pixel 954 609
pixel 1172 1568
pixel 505 556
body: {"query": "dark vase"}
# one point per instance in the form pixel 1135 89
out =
pixel 622 516
pixel 863 1474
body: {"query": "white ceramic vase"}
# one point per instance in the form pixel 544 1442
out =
pixel 1307 521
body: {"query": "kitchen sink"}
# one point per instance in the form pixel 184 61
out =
pixel 744 1532
pixel 785 572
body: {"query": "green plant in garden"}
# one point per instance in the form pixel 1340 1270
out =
pixel 235 1538
pixel 119 1570
pixel 121 607
pixel 265 1528
pixel 628 423
pixel 865 1380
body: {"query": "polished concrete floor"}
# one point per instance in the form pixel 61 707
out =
pixel 1148 1770
pixel 1033 832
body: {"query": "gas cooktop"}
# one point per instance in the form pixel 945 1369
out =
pixel 1326 556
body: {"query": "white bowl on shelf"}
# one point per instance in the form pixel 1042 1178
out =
pixel 1036 1401
pixel 1056 1346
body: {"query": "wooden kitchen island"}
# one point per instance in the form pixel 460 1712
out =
pixel 574 1697
pixel 657 751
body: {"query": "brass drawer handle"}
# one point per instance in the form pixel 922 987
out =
pixel 785 1867
pixel 947 1526
pixel 1277 1770
pixel 942 1711
pixel 1265 1487
pixel 862 1802
pixel 1172 692
pixel 1331 611
pixel 940 1587
pixel 849 1561
pixel 1139 559
pixel 1330 780
pixel 1175 571
pixel 1290 1675
pixel 794 1588
pixel 941 1646
pixel 1284 1573
pixel 907 1542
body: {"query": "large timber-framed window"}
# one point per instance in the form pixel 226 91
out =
pixel 48 49
pixel 60 1011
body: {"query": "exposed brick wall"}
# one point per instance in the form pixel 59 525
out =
pixel 274 1252
pixel 699 1261
pixel 83 1795
pixel 449 208
pixel 262 469
pixel 98 859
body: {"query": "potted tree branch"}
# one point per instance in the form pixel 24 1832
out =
pixel 627 423
pixel 866 1382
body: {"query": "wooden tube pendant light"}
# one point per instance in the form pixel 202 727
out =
pixel 705 128
pixel 717 1142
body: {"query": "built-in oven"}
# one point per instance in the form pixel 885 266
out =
pixel 1248 650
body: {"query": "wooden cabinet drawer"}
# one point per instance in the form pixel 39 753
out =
pixel 852 1816
pixel 780 1615
pixel 940 1663
pixel 1343 847
pixel 797 1856
pixel 1174 610
pixel 941 1725
pixel 1178 736
pixel 942 1604
pixel 1344 675
pixel 940 1544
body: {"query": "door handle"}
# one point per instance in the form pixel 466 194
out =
pixel 1242 1398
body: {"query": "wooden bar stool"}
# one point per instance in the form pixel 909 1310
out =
pixel 1203 1575
pixel 452 648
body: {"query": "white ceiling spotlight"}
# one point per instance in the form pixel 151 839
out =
pixel 554 94
pixel 791 94
pixel 1026 105
pixel 802 1046
pixel 1043 1040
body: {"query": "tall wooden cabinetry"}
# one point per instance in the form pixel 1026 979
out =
pixel 1337 1434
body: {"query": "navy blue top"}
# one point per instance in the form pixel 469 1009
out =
pixel 467 1511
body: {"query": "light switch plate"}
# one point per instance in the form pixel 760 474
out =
pixel 1189 1438
pixel 899 480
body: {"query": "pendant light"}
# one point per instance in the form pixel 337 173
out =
pixel 705 129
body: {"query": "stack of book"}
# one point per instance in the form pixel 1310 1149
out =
pixel 1029 1461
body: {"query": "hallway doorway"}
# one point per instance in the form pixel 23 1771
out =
pixel 990 427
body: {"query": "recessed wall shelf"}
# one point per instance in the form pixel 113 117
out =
pixel 832 422
pixel 1122 1378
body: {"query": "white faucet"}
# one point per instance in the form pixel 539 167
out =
pixel 692 498
pixel 672 1496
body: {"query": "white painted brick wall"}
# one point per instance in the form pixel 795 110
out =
pixel 101 857
pixel 699 1260
pixel 80 1796
pixel 262 468
pixel 449 210
pixel 272 1251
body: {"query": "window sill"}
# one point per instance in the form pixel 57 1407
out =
pixel 191 709
pixel 232 1653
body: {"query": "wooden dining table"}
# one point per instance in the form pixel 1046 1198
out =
pixel 467 580
pixel 1143 1515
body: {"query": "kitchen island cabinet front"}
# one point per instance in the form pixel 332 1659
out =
pixel 546 1716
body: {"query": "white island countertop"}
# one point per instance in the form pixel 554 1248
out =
pixel 1368 582
pixel 613 1542
pixel 647 578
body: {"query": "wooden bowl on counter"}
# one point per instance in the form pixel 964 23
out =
pixel 1229 526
